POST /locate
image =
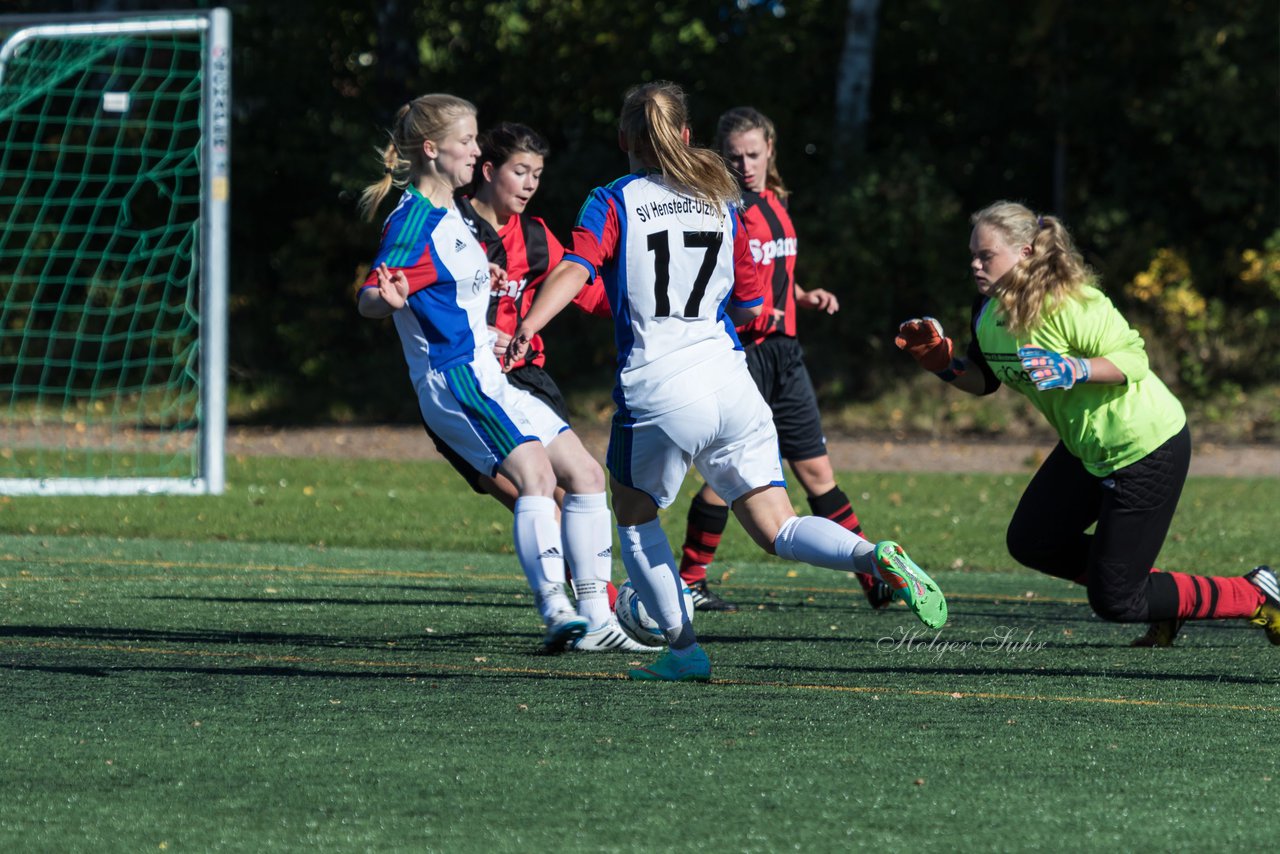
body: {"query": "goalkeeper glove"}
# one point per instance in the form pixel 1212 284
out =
pixel 922 337
pixel 1048 369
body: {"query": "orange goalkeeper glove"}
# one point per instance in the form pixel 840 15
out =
pixel 922 337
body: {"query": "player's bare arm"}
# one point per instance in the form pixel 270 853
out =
pixel 388 297
pixel 497 277
pixel 501 341
pixel 742 315
pixel 557 291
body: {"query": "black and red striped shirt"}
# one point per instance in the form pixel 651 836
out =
pixel 528 251
pixel 773 247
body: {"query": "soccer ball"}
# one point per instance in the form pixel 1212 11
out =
pixel 635 620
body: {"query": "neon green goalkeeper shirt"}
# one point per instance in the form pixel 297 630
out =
pixel 1106 426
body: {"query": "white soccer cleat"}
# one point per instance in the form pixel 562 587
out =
pixel 609 638
pixel 563 629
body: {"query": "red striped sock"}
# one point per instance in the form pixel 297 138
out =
pixel 835 505
pixel 701 539
pixel 699 550
pixel 1203 597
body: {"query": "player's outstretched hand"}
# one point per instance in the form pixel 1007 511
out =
pixel 497 277
pixel 1048 369
pixel 819 299
pixel 517 348
pixel 393 287
pixel 500 342
pixel 922 337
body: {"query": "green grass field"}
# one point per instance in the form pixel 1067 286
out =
pixel 342 655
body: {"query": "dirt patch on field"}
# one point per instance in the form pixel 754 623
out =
pixel 847 453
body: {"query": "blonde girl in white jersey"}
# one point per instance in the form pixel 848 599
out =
pixel 679 276
pixel 431 277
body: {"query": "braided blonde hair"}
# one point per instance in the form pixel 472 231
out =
pixel 1053 272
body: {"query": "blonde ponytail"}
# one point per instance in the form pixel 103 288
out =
pixel 653 120
pixel 425 117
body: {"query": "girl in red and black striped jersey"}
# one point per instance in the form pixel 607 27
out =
pixel 522 246
pixel 746 138
pixel 521 250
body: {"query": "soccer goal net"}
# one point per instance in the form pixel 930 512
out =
pixel 114 166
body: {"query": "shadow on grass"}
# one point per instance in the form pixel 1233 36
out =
pixel 611 670
pixel 328 600
pixel 463 641
pixel 1037 673
pixel 277 671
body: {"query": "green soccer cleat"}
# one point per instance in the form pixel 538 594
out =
pixel 1268 613
pixel 694 667
pixel 911 584
pixel 1159 634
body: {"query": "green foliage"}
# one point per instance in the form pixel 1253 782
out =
pixel 896 204
pixel 1212 341
pixel 1146 126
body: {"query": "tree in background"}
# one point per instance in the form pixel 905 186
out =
pixel 853 81
pixel 1150 127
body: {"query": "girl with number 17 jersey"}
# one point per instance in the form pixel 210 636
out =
pixel 679 276
pixel 670 265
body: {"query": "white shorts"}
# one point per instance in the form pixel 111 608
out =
pixel 482 416
pixel 727 435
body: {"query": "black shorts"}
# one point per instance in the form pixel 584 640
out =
pixel 532 379
pixel 777 366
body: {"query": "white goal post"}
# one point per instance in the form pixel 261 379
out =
pixel 114 195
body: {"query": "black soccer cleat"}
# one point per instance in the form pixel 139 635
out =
pixel 878 594
pixel 705 599
pixel 1268 614
pixel 1161 633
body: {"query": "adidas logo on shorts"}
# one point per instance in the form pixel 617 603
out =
pixel 458 246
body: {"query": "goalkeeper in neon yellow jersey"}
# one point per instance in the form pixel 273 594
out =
pixel 1041 326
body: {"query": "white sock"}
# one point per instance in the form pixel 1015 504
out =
pixel 586 527
pixel 652 569
pixel 821 542
pixel 540 552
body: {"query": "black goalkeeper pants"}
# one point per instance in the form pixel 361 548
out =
pixel 1133 508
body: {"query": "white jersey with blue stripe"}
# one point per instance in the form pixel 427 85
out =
pixel 462 393
pixel 443 324
pixel 670 264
